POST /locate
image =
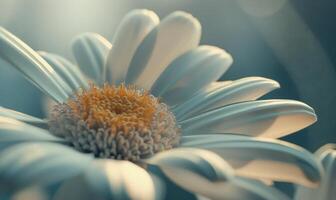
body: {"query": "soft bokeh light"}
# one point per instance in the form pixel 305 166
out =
pixel 262 8
pixel 31 193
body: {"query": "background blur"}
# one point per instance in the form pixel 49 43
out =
pixel 292 42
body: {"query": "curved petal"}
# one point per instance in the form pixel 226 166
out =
pixel 191 72
pixel 109 179
pixel 192 169
pixel 239 188
pixel 252 189
pixel 245 89
pixel 5 112
pixel 205 173
pixel 177 33
pixel 236 188
pixel 61 70
pixel 90 51
pixel 130 33
pixel 326 191
pixel 12 131
pixel 35 68
pixel 261 158
pixel 39 164
pixel 204 163
pixel 265 118
pixel 73 69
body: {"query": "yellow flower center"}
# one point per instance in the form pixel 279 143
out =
pixel 118 122
pixel 119 108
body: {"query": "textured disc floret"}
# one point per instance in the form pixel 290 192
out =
pixel 115 122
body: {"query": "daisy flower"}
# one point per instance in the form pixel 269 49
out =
pixel 326 190
pixel 150 98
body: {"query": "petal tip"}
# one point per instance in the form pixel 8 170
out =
pixel 143 15
pixel 186 18
pixel 274 83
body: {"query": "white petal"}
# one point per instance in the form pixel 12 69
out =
pixel 90 51
pixel 326 190
pixel 61 70
pixel 246 89
pixel 251 189
pixel 110 179
pixel 73 69
pixel 12 131
pixel 191 72
pixel 178 33
pixel 39 164
pixel 197 161
pixel 5 112
pixel 130 33
pixel 261 158
pixel 35 68
pixel 225 190
pixel 192 169
pixel 205 173
pixel 265 118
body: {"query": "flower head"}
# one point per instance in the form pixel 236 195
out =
pixel 154 101
pixel 116 122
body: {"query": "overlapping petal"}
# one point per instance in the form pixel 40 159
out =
pixel 5 112
pixel 197 161
pixel 130 33
pixel 13 131
pixel 191 72
pixel 62 71
pixel 108 179
pixel 326 191
pixel 35 68
pixel 205 173
pixel 90 51
pixel 39 164
pixel 225 93
pixel 257 158
pixel 266 118
pixel 76 73
pixel 250 189
pixel 176 34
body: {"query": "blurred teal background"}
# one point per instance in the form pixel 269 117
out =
pixel 292 42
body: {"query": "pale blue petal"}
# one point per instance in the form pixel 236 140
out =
pixel 263 118
pixel 195 170
pixel 39 164
pixel 258 158
pixel 90 51
pixel 130 33
pixel 326 190
pixel 35 68
pixel 235 188
pixel 205 173
pixel 251 189
pixel 13 131
pixel 5 112
pixel 111 179
pixel 73 69
pixel 201 162
pixel 62 71
pixel 177 33
pixel 191 72
pixel 222 94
